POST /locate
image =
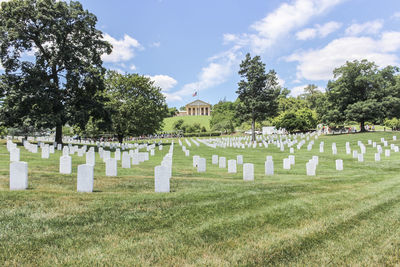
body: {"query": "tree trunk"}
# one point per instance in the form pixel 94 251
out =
pixel 120 138
pixel 253 133
pixel 59 134
pixel 362 126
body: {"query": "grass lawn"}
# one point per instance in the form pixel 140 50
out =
pixel 214 218
pixel 203 120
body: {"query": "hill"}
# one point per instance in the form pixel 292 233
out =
pixel 203 120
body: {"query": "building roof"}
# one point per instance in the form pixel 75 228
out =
pixel 197 103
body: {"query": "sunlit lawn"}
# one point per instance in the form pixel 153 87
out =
pixel 214 218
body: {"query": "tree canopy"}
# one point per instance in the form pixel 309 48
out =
pixel 258 91
pixel 360 92
pixel 135 105
pixel 51 52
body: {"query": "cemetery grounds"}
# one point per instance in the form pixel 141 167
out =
pixel 349 217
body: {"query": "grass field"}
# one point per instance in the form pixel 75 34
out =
pixel 203 120
pixel 214 218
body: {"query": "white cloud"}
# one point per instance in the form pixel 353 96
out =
pixel 396 15
pixel 156 44
pixel 319 30
pixel 123 50
pixel 309 33
pixel 319 64
pixel 164 81
pixel 132 67
pixel 281 22
pixel 215 73
pixel 370 27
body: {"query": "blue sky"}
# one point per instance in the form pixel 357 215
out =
pixel 187 46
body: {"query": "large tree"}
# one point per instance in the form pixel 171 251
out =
pixel 51 52
pixel 359 92
pixel 135 105
pixel 258 91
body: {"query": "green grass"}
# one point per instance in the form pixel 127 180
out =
pixel 214 218
pixel 203 120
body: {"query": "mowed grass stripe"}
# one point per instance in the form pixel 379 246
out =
pixel 347 218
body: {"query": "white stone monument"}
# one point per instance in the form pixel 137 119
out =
pixel 126 160
pixel 248 172
pixel 111 167
pixel 85 178
pixel 222 162
pixel 65 164
pixel 339 165
pixel 18 175
pixel 161 179
pixel 232 166
pixel 201 166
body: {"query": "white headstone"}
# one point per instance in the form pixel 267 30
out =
pixel 355 154
pixel 269 167
pixel 91 158
pixel 161 179
pixel 360 157
pixel 214 159
pixel 65 164
pixel 18 175
pixel 65 151
pixel 311 168
pixel 85 178
pixel 117 154
pixel 232 166
pixel 377 157
pixel 14 154
pixel 59 146
pixel 387 152
pixel 201 166
pixel 111 167
pixel 187 153
pixel 222 162
pixel 339 165
pixel 45 152
pixel 248 172
pixel 126 160
pixel 135 159
pixel 239 159
pixel 286 163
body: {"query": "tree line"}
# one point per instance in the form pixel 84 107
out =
pixel 359 92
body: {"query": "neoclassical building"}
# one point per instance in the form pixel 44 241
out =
pixel 195 108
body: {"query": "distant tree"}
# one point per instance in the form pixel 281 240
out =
pixel 290 103
pixel 223 117
pixel 311 95
pixel 258 91
pixel 183 108
pixel 135 105
pixel 297 120
pixel 177 126
pixel 359 93
pixel 62 83
pixel 172 112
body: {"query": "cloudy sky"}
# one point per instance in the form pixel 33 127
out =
pixel 187 46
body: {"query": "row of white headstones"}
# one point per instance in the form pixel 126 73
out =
pixel 311 165
pixel 85 172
